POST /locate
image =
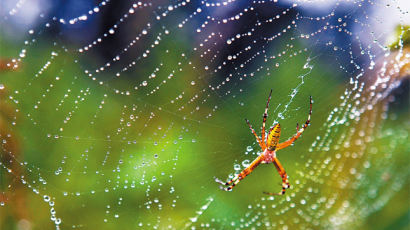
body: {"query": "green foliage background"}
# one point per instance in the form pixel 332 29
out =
pixel 187 156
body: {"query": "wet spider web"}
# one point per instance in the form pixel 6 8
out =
pixel 121 115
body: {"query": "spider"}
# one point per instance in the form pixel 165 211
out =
pixel 269 147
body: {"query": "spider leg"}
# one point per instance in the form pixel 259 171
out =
pixel 221 182
pixel 282 173
pixel 265 115
pixel 254 133
pixel 299 131
pixel 232 183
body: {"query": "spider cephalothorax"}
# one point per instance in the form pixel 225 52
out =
pixel 269 147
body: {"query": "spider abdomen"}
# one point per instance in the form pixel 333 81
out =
pixel 273 137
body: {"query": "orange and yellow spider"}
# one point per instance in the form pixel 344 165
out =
pixel 269 147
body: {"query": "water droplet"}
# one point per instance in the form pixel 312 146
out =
pixel 46 198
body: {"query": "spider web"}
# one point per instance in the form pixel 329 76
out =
pixel 120 114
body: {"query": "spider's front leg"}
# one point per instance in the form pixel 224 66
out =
pixel 232 183
pixel 283 175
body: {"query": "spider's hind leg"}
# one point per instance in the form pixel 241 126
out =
pixel 260 142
